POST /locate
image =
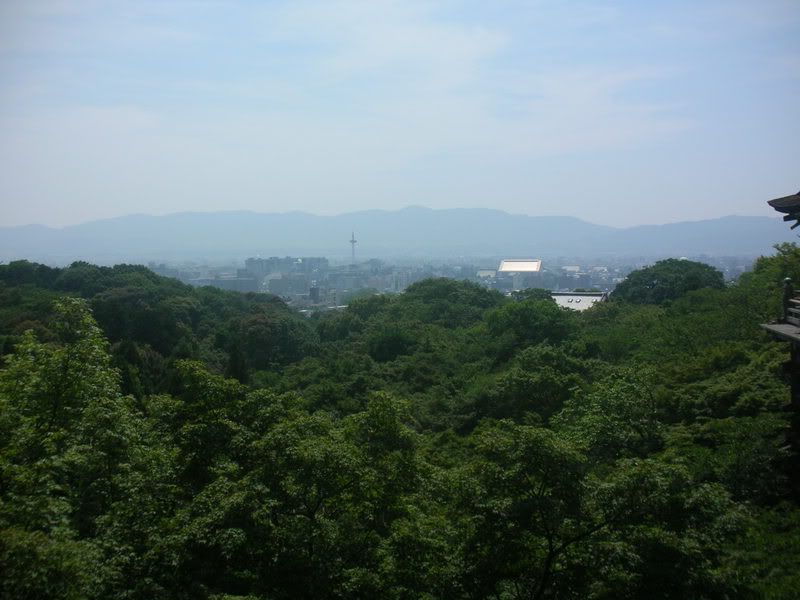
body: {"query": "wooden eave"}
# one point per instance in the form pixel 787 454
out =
pixel 790 205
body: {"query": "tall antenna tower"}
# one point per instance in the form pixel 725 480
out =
pixel 353 248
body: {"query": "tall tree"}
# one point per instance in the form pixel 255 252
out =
pixel 667 280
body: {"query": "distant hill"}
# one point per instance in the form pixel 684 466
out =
pixel 410 232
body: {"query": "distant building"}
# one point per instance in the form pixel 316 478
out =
pixel 517 265
pixel 518 274
pixel 578 300
pixel 262 267
pixel 289 284
pixel 227 282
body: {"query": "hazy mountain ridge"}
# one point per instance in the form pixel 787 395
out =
pixel 412 231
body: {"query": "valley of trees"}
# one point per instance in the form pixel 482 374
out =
pixel 159 441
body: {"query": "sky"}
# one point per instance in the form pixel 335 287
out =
pixel 621 112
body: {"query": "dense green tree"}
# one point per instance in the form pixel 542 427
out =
pixel 447 302
pixel 526 323
pixel 666 280
pixel 23 272
pixel 339 325
pixel 548 525
pixel 618 418
pixel 742 453
pixel 532 294
pixel 65 437
pixel 388 342
pixel 443 443
pixel 521 393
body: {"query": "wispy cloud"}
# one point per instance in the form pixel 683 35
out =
pixel 313 102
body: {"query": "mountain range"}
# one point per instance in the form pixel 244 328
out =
pixel 409 232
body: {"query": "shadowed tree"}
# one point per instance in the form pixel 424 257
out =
pixel 667 280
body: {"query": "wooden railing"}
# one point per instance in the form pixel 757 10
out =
pixel 791 304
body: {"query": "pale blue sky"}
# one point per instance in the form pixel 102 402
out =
pixel 619 112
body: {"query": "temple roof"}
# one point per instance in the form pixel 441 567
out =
pixel 789 205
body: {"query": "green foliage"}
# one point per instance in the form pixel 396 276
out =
pixel 448 303
pixel 532 294
pixel 528 495
pixel 526 323
pixel 618 418
pixel 667 280
pixel 35 565
pixel 542 379
pixel 387 343
pixel 442 443
pixel 152 320
pixel 22 272
pixel 340 325
pixel 548 525
pixel 774 269
pixel 769 553
pixel 351 296
pixel 366 308
pixel 268 339
pixel 65 438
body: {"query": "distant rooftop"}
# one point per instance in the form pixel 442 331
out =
pixel 578 300
pixel 523 265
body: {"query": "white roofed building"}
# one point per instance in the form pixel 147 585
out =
pixel 520 265
pixel 578 300
pixel 519 273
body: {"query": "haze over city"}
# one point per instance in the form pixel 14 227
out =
pixel 621 113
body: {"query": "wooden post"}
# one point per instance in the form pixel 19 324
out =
pixel 788 292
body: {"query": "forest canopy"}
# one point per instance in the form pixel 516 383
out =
pixel 164 441
pixel 667 280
